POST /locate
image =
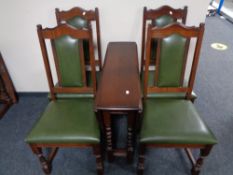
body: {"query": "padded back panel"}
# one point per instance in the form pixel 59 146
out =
pixel 159 22
pixel 163 21
pixel 69 61
pixel 171 61
pixel 79 22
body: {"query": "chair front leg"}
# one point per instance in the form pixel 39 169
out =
pixel 203 154
pixel 45 164
pixel 99 161
pixel 141 159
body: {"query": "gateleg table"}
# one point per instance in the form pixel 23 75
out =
pixel 119 92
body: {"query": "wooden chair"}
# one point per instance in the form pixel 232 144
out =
pixel 159 17
pixel 67 122
pixel 81 18
pixel 173 122
pixel 7 91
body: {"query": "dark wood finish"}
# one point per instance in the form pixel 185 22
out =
pixel 190 156
pixel 108 134
pixel 141 160
pixel 50 34
pixel 159 33
pixel 119 93
pixel 130 134
pixel 99 161
pixel 196 163
pixel 56 62
pixel 203 154
pixel 157 60
pixel 83 63
pixel 52 154
pixel 120 73
pixel 46 162
pixel 90 16
pixel 152 14
pixel 7 91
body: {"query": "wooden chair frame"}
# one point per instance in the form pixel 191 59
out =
pixel 46 162
pixel 75 33
pixel 89 15
pixel 151 14
pixel 8 95
pixel 159 33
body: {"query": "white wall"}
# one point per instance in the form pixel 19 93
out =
pixel 120 20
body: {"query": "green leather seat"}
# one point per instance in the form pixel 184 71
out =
pixel 173 121
pixel 66 121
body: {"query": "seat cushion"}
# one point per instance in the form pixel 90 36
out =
pixel 66 121
pixel 173 121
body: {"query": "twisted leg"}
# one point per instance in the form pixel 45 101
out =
pixel 141 159
pixel 108 132
pixel 130 136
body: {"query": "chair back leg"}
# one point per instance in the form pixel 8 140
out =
pixel 45 164
pixel 203 154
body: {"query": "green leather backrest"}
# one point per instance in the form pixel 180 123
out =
pixel 159 22
pixel 69 61
pixel 171 61
pixel 79 22
pixel 163 21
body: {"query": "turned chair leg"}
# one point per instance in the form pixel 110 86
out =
pixel 203 154
pixel 45 164
pixel 141 160
pixel 99 161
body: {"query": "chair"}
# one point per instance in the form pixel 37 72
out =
pixel 66 122
pixel 80 18
pixel 7 91
pixel 173 122
pixel 159 17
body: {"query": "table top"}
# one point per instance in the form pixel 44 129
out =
pixel 119 86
